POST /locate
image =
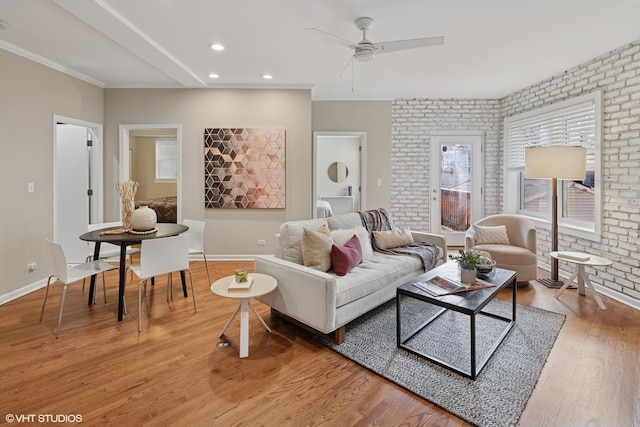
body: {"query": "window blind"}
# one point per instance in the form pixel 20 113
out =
pixel 166 159
pixel 573 125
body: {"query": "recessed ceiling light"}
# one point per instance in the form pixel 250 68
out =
pixel 216 46
pixel 213 76
pixel 267 76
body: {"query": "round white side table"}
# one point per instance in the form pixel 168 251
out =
pixel 581 259
pixel 262 284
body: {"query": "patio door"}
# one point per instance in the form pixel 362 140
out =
pixel 456 183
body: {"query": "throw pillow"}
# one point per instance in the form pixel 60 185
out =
pixel 491 235
pixel 341 236
pixel 393 238
pixel 345 258
pixel 316 248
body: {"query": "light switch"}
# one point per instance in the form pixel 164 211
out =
pixel 31 187
pixel 379 182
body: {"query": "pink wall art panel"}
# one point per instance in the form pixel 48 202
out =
pixel 244 168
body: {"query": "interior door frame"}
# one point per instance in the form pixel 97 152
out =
pixel 363 173
pixel 97 177
pixel 476 140
pixel 125 165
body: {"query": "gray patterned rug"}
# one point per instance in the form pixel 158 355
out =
pixel 499 394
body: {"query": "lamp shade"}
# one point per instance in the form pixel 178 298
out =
pixel 555 161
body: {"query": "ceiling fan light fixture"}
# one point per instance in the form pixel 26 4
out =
pixel 365 53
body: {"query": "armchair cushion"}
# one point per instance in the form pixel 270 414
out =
pixel 491 235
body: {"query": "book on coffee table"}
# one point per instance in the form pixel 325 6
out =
pixel 439 286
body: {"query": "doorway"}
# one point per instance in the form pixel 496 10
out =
pixel 77 183
pixel 138 162
pixel 338 172
pixel 456 183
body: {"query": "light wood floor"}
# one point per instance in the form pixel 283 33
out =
pixel 173 373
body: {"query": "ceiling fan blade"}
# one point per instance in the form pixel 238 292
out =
pixel 342 41
pixel 397 45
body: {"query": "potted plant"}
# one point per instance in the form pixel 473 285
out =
pixel 468 261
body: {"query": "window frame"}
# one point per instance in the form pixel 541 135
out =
pixel 514 177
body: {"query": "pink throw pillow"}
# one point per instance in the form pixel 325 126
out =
pixel 345 258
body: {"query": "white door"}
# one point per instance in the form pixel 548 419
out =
pixel 456 184
pixel 76 187
pixel 338 172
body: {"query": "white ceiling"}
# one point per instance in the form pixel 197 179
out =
pixel 492 47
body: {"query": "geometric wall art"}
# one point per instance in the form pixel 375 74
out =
pixel 244 168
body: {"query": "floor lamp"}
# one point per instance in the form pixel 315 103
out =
pixel 555 162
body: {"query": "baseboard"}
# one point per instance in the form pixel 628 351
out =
pixel 22 291
pixel 250 257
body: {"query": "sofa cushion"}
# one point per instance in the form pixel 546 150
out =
pixel 344 258
pixel 486 235
pixel 374 274
pixel 316 248
pixel 393 238
pixel 341 236
pixel 346 221
pixel 291 237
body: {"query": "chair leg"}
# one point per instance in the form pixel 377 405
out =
pixel 206 265
pixel 64 294
pixel 44 301
pixel 87 259
pixel 193 293
pixel 104 288
pixel 140 305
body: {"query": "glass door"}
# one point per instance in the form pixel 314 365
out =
pixel 456 184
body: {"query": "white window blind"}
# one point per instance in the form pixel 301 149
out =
pixel 166 159
pixel 573 125
pixel 575 122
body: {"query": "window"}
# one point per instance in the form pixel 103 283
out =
pixel 572 122
pixel 166 159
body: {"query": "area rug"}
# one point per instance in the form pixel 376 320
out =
pixel 499 394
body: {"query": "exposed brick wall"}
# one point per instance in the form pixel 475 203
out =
pixel 617 74
pixel 413 120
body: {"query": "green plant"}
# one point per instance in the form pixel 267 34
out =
pixel 468 260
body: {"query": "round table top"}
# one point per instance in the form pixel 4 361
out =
pixel 165 229
pixel 593 259
pixel 262 284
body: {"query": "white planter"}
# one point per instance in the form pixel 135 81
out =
pixel 143 219
pixel 467 276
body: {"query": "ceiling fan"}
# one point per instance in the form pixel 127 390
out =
pixel 365 50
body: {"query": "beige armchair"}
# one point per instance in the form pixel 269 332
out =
pixel 518 255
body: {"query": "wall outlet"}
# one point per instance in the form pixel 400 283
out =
pixel 32 266
pixel 262 242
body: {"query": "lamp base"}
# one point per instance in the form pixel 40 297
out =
pixel 554 284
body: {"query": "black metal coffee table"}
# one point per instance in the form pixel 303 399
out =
pixel 469 303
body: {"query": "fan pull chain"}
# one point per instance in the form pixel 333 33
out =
pixel 352 76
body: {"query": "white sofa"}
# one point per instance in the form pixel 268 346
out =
pixel 324 302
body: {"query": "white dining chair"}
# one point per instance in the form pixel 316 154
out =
pixel 196 242
pixel 108 251
pixel 162 256
pixel 68 275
